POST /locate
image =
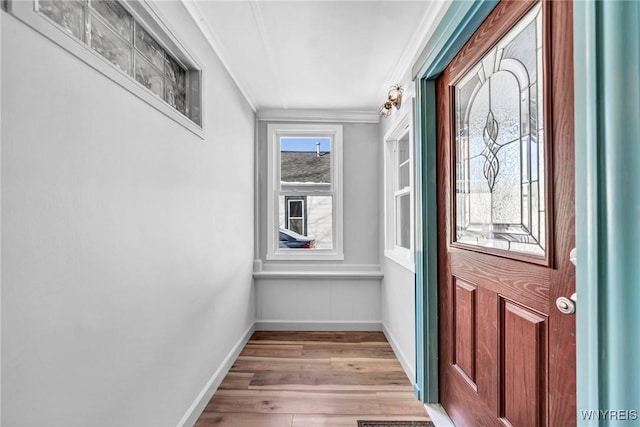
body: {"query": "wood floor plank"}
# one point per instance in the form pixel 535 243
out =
pixel 275 350
pixel 293 402
pixel 303 420
pixel 212 419
pixel 323 336
pixel 237 381
pixel 365 365
pixel 254 363
pixel 313 379
pixel 368 344
pixel 353 351
pixel 373 379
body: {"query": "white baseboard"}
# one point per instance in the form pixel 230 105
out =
pixel 404 361
pixel 279 325
pixel 196 408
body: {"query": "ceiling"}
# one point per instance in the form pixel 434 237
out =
pixel 302 54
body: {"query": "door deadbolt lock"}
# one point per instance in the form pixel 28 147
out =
pixel 567 305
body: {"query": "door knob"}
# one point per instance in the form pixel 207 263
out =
pixel 567 305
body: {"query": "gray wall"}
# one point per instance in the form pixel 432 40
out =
pixel 398 284
pixel 329 302
pixel 127 240
pixel 362 184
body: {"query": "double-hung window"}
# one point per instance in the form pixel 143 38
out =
pixel 305 192
pixel 399 228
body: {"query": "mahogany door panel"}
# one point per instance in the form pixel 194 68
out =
pixel 506 220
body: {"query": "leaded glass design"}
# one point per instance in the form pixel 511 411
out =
pixel 110 30
pixel 499 146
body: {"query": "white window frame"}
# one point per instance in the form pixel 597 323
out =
pixel 401 255
pixel 274 132
pixel 26 11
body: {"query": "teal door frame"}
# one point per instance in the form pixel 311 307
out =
pixel 607 161
pixel 607 121
pixel 459 23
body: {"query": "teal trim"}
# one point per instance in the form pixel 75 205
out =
pixel 460 21
pixel 607 117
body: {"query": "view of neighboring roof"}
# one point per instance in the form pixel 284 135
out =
pixel 304 166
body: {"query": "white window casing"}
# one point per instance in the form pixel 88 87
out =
pixel 277 191
pixel 399 218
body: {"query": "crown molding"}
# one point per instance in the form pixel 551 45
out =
pixel 209 34
pixel 416 43
pixel 309 115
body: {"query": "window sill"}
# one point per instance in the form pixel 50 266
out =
pixel 351 275
pixel 316 271
pixel 404 259
pixel 305 255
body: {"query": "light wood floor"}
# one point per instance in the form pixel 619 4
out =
pixel 313 379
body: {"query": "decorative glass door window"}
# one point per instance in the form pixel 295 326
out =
pixel 500 145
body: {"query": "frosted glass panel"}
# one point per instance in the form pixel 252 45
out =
pixel 149 48
pixel 499 146
pixel 68 14
pixel 118 18
pixel 175 97
pixel 175 73
pixel 149 76
pixel 108 44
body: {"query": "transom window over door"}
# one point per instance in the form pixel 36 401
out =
pixel 305 188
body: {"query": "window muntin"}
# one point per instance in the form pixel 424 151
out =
pixel 305 181
pixel 402 192
pixel 111 31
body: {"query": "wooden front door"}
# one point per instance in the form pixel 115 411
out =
pixel 506 221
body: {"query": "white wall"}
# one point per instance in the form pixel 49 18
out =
pixel 326 298
pixel 126 254
pixel 398 284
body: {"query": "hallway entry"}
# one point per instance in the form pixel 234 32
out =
pixel 313 379
pixel 506 221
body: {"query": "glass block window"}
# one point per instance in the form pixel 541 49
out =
pixel 108 28
pixel 499 145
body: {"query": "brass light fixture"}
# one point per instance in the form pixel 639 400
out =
pixel 394 99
